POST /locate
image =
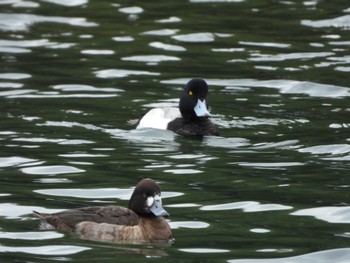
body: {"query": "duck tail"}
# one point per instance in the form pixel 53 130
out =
pixel 38 215
pixel 51 222
pixel 44 225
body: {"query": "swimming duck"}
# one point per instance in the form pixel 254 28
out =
pixel 192 116
pixel 142 221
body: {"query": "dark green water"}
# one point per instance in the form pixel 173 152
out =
pixel 274 187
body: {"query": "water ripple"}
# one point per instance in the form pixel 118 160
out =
pixel 99 193
pixel 118 193
pixel 53 95
pixel 39 235
pixel 131 10
pixel 121 73
pixel 14 76
pixel 333 149
pixel 123 39
pixel 283 145
pixel 67 2
pixel 172 19
pixel 331 214
pixel 14 50
pixel 45 250
pixel 10 85
pixel 340 22
pixel 97 52
pixel 167 47
pixel 21 22
pixel 260 230
pixel 203 250
pixel 264 44
pixel 216 1
pixel 15 211
pixel 270 165
pixel 21 46
pixel 183 171
pixel 51 170
pixel 195 37
pixel 225 142
pixel 58 141
pixel 341 255
pixel 22 4
pixel 151 58
pixel 188 224
pixel 79 87
pixel 14 161
pixel 146 135
pixel 161 32
pixel 290 56
pixel 284 86
pixel 246 206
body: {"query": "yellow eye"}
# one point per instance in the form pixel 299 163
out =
pixel 190 93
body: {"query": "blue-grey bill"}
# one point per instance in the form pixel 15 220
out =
pixel 157 209
pixel 201 109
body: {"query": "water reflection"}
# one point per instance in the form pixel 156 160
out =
pixel 188 224
pixel 45 250
pixel 341 22
pixel 100 193
pixel 72 79
pixel 51 170
pixel 284 86
pixel 195 37
pixel 14 161
pixel 154 59
pixel 331 214
pixel 341 255
pixel 15 211
pixel 67 2
pixel 121 73
pixel 38 235
pixel 203 250
pixel 246 206
pixel 21 22
pixel 333 149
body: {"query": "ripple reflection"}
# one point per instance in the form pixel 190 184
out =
pixel 45 250
pixel 246 206
pixel 341 255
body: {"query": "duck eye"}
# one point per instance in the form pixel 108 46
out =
pixel 190 93
pixel 144 195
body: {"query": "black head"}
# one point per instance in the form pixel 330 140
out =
pixel 146 200
pixel 194 102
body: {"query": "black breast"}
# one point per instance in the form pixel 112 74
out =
pixel 197 127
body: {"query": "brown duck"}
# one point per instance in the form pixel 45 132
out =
pixel 142 222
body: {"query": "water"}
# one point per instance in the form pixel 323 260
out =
pixel 273 187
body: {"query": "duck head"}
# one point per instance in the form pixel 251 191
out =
pixel 146 199
pixel 194 102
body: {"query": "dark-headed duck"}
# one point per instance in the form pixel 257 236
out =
pixel 190 119
pixel 142 222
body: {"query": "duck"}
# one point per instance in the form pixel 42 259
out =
pixel 143 220
pixel 191 118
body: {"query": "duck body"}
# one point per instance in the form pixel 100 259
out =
pixel 143 231
pixel 142 222
pixel 190 119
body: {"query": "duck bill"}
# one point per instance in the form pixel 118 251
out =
pixel 157 209
pixel 201 109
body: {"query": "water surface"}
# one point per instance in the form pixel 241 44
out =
pixel 273 187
